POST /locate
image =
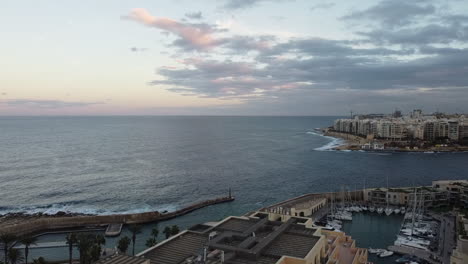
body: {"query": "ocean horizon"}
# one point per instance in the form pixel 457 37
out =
pixel 129 164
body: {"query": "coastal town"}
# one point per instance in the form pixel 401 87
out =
pixel 432 224
pixel 416 131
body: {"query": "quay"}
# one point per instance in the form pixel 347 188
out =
pixel 42 224
pixel 54 244
pixel 422 254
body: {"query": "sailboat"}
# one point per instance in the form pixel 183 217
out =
pixel 388 210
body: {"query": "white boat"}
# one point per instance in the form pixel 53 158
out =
pixel 388 211
pixel 402 210
pixel 396 211
pixel 386 253
pixel 376 250
pixel 364 208
pixel 372 209
pixel 380 210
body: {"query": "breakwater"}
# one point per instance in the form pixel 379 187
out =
pixel 41 224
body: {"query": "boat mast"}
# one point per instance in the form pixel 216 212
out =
pixel 413 213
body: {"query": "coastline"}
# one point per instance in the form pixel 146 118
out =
pixel 20 223
pixel 353 143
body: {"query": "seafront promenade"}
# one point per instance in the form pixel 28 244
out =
pixel 21 226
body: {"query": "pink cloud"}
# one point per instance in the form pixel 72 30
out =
pixel 198 36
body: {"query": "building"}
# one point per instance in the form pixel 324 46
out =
pixel 244 240
pixel 460 253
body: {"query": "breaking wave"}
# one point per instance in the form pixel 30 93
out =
pixel 71 208
pixel 335 142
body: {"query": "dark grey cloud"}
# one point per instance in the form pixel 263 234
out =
pixel 194 15
pixel 393 13
pixel 52 104
pixel 423 35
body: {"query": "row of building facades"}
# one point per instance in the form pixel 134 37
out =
pixel 414 126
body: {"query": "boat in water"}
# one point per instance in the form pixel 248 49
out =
pixel 376 250
pixel 388 211
pixel 372 209
pixel 380 210
pixel 386 253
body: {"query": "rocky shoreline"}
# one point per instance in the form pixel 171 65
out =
pixel 22 223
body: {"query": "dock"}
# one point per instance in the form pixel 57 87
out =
pixel 422 254
pixel 113 230
pixel 53 244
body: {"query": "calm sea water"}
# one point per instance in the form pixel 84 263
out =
pixel 132 164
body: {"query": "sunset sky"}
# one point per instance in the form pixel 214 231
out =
pixel 232 57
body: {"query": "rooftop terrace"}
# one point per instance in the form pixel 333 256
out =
pixel 239 240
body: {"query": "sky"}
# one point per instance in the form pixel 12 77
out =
pixel 232 57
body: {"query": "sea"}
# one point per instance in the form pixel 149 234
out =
pixel 122 164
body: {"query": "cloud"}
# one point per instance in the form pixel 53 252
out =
pixel 322 6
pixel 190 36
pixel 411 53
pixel 135 49
pixel 194 15
pixel 241 4
pixel 50 104
pixel 393 13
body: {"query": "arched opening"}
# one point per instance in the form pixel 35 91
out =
pixel 301 214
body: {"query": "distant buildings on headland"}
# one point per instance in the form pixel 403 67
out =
pixel 437 128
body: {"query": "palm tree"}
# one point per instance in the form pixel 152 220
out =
pixel 71 240
pixel 7 239
pixel 151 242
pixel 135 229
pixel 84 243
pixel 123 244
pixel 27 241
pixel 39 260
pixel 175 230
pixel 155 232
pixel 14 255
pixel 167 231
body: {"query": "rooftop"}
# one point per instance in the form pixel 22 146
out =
pixel 242 240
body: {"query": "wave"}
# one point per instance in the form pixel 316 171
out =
pixel 73 209
pixel 330 146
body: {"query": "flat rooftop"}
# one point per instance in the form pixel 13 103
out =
pixel 242 240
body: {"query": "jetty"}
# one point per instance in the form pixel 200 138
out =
pixel 50 223
pixel 422 254
pixel 113 230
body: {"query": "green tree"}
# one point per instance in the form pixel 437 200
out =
pixel 14 255
pixel 27 241
pixel 39 260
pixel 7 239
pixel 134 229
pixel 84 244
pixel 155 232
pixel 71 241
pixel 123 244
pixel 175 230
pixel 167 231
pixel 151 242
